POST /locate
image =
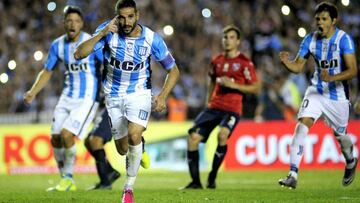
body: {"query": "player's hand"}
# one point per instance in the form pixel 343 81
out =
pixel 357 106
pixel 284 56
pixel 324 75
pixel 158 103
pixel 225 81
pixel 111 27
pixel 28 97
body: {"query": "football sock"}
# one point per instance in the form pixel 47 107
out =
pixel 101 166
pixel 193 162
pixel 346 149
pixel 218 159
pixel 69 162
pixel 297 147
pixel 133 159
pixel 59 154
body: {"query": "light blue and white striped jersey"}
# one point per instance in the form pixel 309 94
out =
pixel 82 77
pixel 328 54
pixel 127 60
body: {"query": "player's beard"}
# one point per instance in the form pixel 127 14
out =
pixel 130 30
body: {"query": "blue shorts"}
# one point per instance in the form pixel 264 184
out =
pixel 102 127
pixel 208 119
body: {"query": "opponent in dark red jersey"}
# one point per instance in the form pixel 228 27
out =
pixel 231 75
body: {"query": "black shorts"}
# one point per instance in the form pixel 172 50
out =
pixel 102 127
pixel 208 119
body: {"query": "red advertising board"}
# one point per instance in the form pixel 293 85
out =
pixel 266 146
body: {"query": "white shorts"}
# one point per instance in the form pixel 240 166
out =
pixel 335 113
pixel 135 107
pixel 75 115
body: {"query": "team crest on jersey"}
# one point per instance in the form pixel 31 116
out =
pixel 236 66
pixel 142 50
pixel 130 47
pixel 333 47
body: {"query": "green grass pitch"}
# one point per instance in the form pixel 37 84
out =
pixel 159 186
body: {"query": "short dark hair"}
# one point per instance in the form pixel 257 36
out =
pixel 72 9
pixel 232 28
pixel 124 4
pixel 329 7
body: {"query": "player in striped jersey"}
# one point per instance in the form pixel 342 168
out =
pixel 328 95
pixel 128 47
pixel 78 102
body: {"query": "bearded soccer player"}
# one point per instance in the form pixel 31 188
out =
pixel 128 47
pixel 232 74
pixel 78 102
pixel 328 95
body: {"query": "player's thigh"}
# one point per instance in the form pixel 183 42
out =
pixel 81 116
pixel 205 123
pixel 227 125
pixel 311 107
pixel 138 107
pixel 117 120
pixel 61 113
pixel 336 114
pixel 135 132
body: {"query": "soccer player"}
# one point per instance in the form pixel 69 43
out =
pixel 232 74
pixel 128 47
pixel 328 94
pixel 77 105
pixel 100 135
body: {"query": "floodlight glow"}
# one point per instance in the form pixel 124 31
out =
pixel 301 32
pixel 51 6
pixel 168 30
pixel 285 10
pixel 12 64
pixel 206 13
pixel 38 55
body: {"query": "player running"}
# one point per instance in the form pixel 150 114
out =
pixel 77 105
pixel 328 95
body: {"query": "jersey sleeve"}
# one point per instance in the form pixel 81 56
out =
pixel 161 53
pixel 304 51
pixel 101 43
pixel 250 73
pixel 53 57
pixel 347 45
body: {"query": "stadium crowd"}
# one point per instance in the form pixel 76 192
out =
pixel 27 26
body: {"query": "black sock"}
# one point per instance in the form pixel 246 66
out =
pixel 101 166
pixel 143 143
pixel 193 162
pixel 218 159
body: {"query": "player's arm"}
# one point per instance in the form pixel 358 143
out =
pixel 87 47
pixel 211 86
pixel 171 79
pixel 40 82
pixel 295 66
pixel 350 72
pixel 357 106
pixel 252 88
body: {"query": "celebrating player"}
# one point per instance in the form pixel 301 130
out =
pixel 232 74
pixel 328 96
pixel 77 105
pixel 128 47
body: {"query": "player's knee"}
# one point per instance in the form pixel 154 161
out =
pixel 134 138
pixel 56 141
pixel 307 121
pixel 222 138
pixel 194 139
pixel 122 149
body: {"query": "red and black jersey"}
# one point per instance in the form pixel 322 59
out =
pixel 241 69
